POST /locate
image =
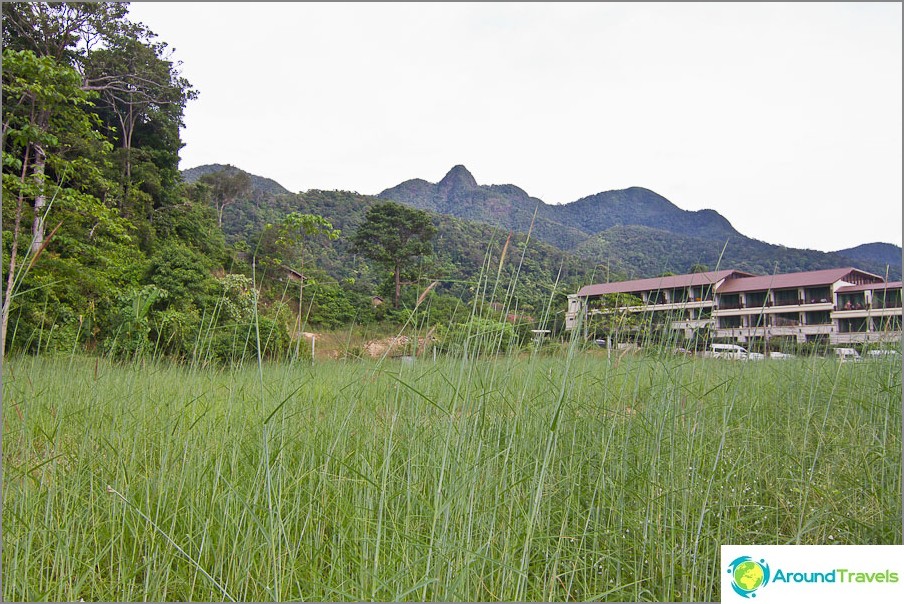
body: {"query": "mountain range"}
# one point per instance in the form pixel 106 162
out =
pixel 632 232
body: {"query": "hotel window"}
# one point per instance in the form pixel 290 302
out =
pixel 822 317
pixel 817 295
pixel 786 319
pixel 729 322
pixel 656 297
pixel 892 323
pixel 729 301
pixel 887 298
pixel 855 301
pixel 855 325
pixel 786 297
pixel 755 299
pixel 759 320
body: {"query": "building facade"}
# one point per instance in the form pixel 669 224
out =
pixel 843 305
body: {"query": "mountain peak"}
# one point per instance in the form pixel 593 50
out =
pixel 458 178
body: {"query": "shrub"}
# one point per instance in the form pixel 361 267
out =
pixel 477 336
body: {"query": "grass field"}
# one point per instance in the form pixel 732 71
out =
pixel 546 477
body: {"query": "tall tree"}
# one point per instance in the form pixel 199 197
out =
pixel 69 69
pixel 138 87
pixel 63 33
pixel 226 187
pixel 393 235
pixel 70 176
pixel 119 59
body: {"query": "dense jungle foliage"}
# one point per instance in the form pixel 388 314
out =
pixel 107 248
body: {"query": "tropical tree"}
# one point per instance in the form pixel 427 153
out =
pixel 142 100
pixel 53 156
pixel 392 235
pixel 79 81
pixel 293 234
pixel 226 187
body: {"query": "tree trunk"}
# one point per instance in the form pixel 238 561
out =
pixel 40 200
pixel 10 277
pixel 127 146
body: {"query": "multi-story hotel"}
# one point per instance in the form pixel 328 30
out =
pixel 841 305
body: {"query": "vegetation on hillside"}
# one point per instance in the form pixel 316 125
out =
pixel 107 248
pixel 634 229
pixel 643 251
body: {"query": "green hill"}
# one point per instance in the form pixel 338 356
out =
pixel 640 251
pixel 633 232
pixel 465 250
pixel 877 255
pixel 636 229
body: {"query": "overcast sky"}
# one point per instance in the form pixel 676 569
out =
pixel 785 118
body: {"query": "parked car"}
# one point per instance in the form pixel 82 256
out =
pixel 882 354
pixel 732 351
pixel 780 355
pixel 847 355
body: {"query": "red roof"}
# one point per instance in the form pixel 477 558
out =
pixel 657 283
pixel 789 280
pixel 869 286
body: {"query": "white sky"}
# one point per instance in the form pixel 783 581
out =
pixel 784 117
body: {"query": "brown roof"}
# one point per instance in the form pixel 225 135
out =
pixel 872 286
pixel 657 283
pixel 787 280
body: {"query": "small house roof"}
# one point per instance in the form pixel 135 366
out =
pixel 846 289
pixel 789 280
pixel 658 283
pixel 294 274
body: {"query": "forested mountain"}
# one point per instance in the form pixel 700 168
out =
pixel 259 184
pixel 878 254
pixel 641 251
pixel 465 251
pixel 636 230
pixel 507 206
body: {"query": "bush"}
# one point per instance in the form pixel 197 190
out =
pixel 477 336
pixel 237 342
pixel 131 336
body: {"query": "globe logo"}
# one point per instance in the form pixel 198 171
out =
pixel 748 575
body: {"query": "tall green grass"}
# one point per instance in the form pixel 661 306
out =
pixel 497 471
pixel 504 477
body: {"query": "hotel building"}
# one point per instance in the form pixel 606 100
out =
pixel 842 305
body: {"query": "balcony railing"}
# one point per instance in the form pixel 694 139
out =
pixel 889 304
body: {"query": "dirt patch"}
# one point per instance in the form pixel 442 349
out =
pixel 396 346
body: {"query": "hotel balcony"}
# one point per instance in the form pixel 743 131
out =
pixel 863 337
pixel 774 331
pixel 744 309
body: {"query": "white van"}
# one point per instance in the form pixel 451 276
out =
pixel 847 355
pixel 726 351
pixel 883 353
